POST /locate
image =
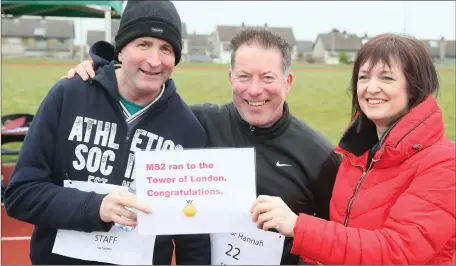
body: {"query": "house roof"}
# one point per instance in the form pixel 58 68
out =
pixel 32 27
pixel 450 50
pixel 433 47
pixel 304 46
pixel 198 40
pixel 96 35
pixel 342 41
pixel 226 33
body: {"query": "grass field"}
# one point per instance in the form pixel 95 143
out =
pixel 319 94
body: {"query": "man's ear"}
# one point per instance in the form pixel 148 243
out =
pixel 289 81
pixel 229 78
pixel 119 57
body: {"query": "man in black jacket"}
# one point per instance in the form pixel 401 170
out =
pixel 293 161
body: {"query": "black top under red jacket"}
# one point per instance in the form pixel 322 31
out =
pixel 305 186
pixel 80 133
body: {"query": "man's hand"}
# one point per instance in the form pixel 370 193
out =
pixel 113 207
pixel 84 69
pixel 271 212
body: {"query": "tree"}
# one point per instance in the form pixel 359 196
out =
pixel 300 56
pixel 343 58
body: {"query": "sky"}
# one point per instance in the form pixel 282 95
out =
pixel 422 19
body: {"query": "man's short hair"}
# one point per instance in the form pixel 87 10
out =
pixel 264 38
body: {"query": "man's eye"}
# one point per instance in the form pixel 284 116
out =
pixel 387 78
pixel 362 77
pixel 142 45
pixel 166 50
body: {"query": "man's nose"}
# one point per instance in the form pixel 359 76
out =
pixel 153 58
pixel 255 88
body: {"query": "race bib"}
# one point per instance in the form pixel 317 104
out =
pixel 116 246
pixel 251 248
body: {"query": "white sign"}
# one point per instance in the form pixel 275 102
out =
pixel 196 191
pixel 250 248
pixel 115 246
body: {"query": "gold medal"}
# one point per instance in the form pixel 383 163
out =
pixel 189 209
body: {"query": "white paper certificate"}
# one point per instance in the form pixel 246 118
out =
pixel 196 191
pixel 115 246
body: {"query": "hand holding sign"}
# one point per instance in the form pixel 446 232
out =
pixel 196 191
pixel 116 246
pixel 113 207
pixel 272 213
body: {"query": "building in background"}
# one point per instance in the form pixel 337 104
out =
pixel 36 37
pixel 31 37
pixel 94 36
pixel 442 51
pixel 329 47
pixel 223 35
pixel 304 50
pixel 200 47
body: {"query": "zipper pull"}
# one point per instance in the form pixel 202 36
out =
pixel 252 128
pixel 128 137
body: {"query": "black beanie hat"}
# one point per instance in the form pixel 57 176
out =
pixel 158 19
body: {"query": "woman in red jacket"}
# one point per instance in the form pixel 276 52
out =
pixel 394 197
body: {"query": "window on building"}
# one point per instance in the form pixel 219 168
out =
pixel 13 41
pixel 39 31
pixel 41 43
pixel 433 44
pixel 226 47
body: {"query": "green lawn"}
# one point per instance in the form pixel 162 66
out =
pixel 319 98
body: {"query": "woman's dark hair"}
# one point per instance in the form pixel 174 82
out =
pixel 410 54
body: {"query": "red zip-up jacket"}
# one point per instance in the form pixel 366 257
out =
pixel 400 209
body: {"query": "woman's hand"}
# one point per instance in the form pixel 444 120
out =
pixel 272 213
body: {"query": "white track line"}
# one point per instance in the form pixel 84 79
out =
pixel 15 238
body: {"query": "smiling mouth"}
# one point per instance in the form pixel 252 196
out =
pixel 375 101
pixel 152 74
pixel 256 103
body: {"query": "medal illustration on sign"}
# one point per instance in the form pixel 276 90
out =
pixel 189 209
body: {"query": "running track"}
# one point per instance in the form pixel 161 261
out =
pixel 15 234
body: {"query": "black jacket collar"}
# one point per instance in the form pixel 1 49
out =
pixel 264 133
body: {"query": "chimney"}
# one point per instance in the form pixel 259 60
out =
pixel 266 25
pixel 243 25
pixel 365 35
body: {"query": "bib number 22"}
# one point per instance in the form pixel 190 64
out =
pixel 233 252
